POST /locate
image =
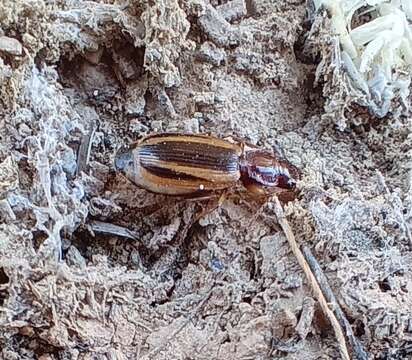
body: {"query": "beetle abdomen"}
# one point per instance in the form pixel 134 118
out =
pixel 194 159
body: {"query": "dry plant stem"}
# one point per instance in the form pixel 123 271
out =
pixel 312 280
pixel 357 348
pixel 111 229
pixel 85 149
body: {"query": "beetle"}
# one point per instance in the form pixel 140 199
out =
pixel 194 166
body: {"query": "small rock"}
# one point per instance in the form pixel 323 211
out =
pixel 232 10
pixel 204 98
pixel 165 103
pixel 68 158
pixel 216 265
pixel 91 185
pixel 269 245
pixel 74 258
pixel 210 53
pixel 135 258
pixel 136 126
pixel 93 56
pixel 9 177
pixel 27 331
pixel 259 7
pixel 10 46
pixel 192 126
pixel 24 130
pixel 99 170
pixel 104 208
pixel 6 211
pixel 135 101
pixel 5 72
pixel 173 126
pixel 46 357
pixel 56 336
pixel 245 308
pixel 291 281
pixel 253 338
pixel 217 28
pixel 156 125
pixel 283 324
pixel 304 325
pixel 29 41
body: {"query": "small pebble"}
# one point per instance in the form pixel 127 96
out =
pixel 232 10
pixel 210 53
pixel 10 46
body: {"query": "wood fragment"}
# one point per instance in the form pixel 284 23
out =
pixel 311 278
pixel 305 321
pixel 83 154
pixel 357 348
pixel 112 229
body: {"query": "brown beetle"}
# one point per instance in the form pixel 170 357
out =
pixel 200 165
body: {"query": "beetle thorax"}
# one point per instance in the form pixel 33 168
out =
pixel 263 172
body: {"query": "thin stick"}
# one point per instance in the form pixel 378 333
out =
pixel 357 348
pixel 112 229
pixel 312 280
pixel 83 154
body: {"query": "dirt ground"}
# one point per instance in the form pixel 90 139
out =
pixel 83 78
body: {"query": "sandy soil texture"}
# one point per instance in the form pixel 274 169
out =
pixel 92 267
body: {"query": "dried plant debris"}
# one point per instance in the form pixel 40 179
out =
pixel 92 267
pixel 368 56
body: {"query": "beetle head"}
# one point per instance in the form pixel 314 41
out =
pixel 263 173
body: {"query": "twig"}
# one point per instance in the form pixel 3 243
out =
pixel 357 348
pixel 83 154
pixel 312 280
pixel 112 229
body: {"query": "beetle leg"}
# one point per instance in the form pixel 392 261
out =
pixel 212 205
pixel 202 198
pixel 256 215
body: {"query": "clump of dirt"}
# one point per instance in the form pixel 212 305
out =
pixel 92 267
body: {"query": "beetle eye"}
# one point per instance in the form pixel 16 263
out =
pixel 273 176
pixel 286 182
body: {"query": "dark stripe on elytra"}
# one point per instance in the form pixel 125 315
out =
pixel 170 174
pixel 191 154
pixel 172 134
